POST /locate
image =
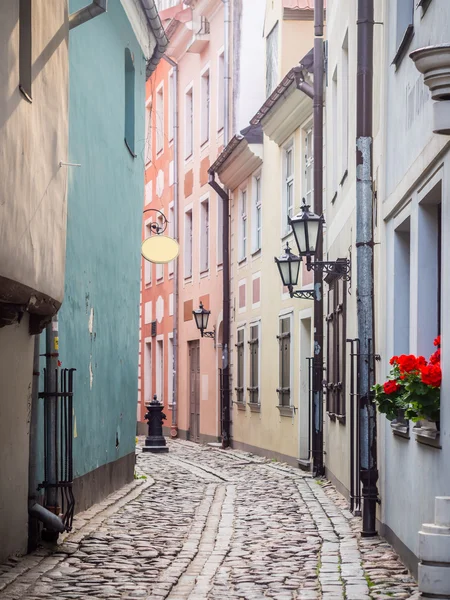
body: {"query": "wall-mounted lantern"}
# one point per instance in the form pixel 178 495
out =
pixel 201 316
pixel 307 227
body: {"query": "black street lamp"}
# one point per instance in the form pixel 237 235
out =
pixel 201 316
pixel 307 227
pixel 289 267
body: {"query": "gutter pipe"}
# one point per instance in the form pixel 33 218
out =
pixel 97 7
pixel 365 264
pixel 303 85
pixel 226 68
pixel 174 93
pixel 317 408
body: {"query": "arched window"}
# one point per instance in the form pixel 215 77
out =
pixel 129 101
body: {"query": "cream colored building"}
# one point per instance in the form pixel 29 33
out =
pixel 268 169
pixel 34 140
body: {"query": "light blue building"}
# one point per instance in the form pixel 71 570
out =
pixel 111 57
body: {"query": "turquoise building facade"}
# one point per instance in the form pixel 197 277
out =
pixel 98 321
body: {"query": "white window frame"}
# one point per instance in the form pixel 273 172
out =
pixel 170 370
pixel 160 368
pixel 242 224
pixel 148 131
pixel 160 119
pixel 189 122
pixel 288 182
pixel 171 266
pixel 148 266
pixel 335 133
pixel 171 96
pixel 344 93
pixel 219 237
pixel 148 370
pixel 205 235
pixel 308 163
pixel 205 98
pixel 188 243
pixel 274 67
pixel 220 90
pixel 256 210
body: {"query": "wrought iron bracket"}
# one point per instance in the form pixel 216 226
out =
pixel 155 227
pixel 337 268
pixel 209 334
pixel 302 294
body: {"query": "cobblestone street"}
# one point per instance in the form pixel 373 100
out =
pixel 214 524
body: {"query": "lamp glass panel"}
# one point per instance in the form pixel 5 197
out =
pixel 313 234
pixel 299 227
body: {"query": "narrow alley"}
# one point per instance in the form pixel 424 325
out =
pixel 203 523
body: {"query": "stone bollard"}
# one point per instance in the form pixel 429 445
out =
pixel 434 553
pixel 155 441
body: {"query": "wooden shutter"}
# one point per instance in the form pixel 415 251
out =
pixel 254 364
pixel 240 366
pixel 284 338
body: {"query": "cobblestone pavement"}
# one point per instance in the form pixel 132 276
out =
pixel 213 524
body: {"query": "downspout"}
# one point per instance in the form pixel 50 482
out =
pixel 317 412
pixel 365 266
pixel 97 7
pixel 33 528
pixel 226 69
pixel 162 42
pixel 174 93
pixel 225 417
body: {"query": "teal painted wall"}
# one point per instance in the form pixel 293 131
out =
pixel 105 199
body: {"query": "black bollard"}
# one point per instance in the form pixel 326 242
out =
pixel 155 441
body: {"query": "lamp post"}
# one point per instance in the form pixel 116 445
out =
pixel 289 267
pixel 201 316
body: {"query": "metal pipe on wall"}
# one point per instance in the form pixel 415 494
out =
pixel 33 528
pixel 317 416
pixel 97 7
pixel 365 263
pixel 174 93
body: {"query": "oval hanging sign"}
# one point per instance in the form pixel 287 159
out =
pixel 160 249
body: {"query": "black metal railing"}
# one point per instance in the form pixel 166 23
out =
pixel 58 445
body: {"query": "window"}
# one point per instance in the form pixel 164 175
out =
pixel 189 123
pixel 160 120
pixel 404 29
pixel 336 340
pixel 402 287
pixel 220 207
pixel 204 236
pixel 242 225
pixel 334 140
pixel 205 107
pixel 129 102
pixel 147 263
pixel 308 184
pixel 288 196
pixel 254 364
pixel 148 372
pixel 25 48
pixel 188 244
pixel 159 266
pixel 257 215
pixel 160 371
pixel 272 60
pixel 240 366
pixel 148 134
pixel 172 92
pixel 344 109
pixel 171 234
pixel 220 93
pixel 284 341
pixel 170 372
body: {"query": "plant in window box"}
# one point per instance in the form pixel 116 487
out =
pixel 413 388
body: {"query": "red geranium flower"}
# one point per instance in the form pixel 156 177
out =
pixel 437 341
pixel 393 360
pixel 431 375
pixel 436 357
pixel 407 362
pixel 421 361
pixel 390 387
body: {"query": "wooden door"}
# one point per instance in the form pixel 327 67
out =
pixel 194 391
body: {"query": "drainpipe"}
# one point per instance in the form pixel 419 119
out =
pixel 162 41
pixel 174 93
pixel 226 310
pixel 365 271
pixel 226 69
pixel 317 409
pixel 51 423
pixel 97 7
